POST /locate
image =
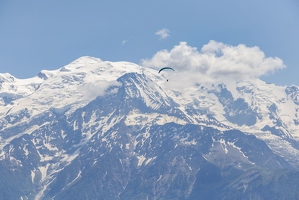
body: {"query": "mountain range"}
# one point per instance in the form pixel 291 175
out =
pixel 96 129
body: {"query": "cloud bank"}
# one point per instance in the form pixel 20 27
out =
pixel 163 33
pixel 97 88
pixel 216 62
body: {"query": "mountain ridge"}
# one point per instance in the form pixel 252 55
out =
pixel 130 134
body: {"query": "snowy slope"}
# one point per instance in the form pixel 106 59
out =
pixel 74 85
pixel 67 88
pixel 77 83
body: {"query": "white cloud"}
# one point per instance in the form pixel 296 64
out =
pixel 163 33
pixel 97 88
pixel 215 62
pixel 124 42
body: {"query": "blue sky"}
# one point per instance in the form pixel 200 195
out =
pixel 36 35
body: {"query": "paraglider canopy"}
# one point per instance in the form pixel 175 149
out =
pixel 165 68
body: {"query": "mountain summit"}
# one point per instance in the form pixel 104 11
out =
pixel 95 129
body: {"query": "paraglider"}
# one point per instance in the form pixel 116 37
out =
pixel 165 68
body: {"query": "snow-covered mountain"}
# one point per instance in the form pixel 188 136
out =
pixel 116 130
